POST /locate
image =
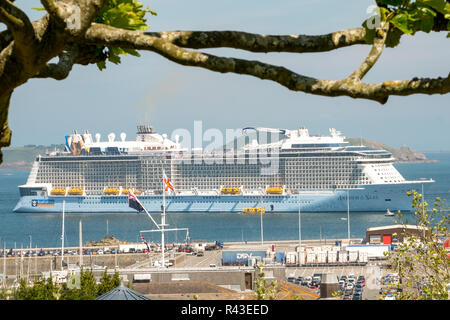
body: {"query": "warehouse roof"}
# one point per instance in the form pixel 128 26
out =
pixel 396 226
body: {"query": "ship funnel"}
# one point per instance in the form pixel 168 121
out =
pixel 111 137
pixel 123 135
pixel 97 137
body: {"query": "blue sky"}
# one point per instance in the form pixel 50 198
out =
pixel 153 90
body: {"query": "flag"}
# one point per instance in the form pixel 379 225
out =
pixel 134 203
pixel 167 182
pixel 148 248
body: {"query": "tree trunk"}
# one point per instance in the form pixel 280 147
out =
pixel 5 132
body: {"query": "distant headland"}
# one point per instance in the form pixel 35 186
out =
pixel 402 155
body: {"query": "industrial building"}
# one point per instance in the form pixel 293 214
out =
pixel 393 234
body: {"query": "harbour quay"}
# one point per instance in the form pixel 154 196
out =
pixel 210 273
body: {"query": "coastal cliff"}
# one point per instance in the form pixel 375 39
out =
pixel 402 155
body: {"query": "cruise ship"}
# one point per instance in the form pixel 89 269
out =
pixel 287 171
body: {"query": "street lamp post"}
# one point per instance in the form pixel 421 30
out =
pixel 348 216
pixel 299 229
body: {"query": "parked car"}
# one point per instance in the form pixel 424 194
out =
pixel 316 280
pixel 317 275
pixel 350 286
pixel 347 296
pixel 307 281
pixel 357 296
pixel 291 279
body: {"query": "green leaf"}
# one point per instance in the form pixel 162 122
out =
pixel 124 14
pixel 101 65
pixel 423 19
pixel 401 21
pixel 391 2
pixel 392 40
pixel 440 5
pixel 370 33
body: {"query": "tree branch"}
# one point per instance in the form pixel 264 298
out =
pixel 54 10
pixel 5 131
pixel 60 70
pixel 263 43
pixel 110 36
pixel 5 39
pixel 377 48
pixel 74 54
pixel 18 24
pixel 74 17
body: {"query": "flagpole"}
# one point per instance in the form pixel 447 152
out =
pixel 62 236
pixel 348 215
pixel 163 222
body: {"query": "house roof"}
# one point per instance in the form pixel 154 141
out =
pixel 122 293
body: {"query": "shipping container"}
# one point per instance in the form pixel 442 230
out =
pixel 280 257
pixel 322 257
pixel 311 257
pixel 342 256
pixel 291 258
pixel 240 258
pixel 352 256
pixel 332 256
pixel 363 257
pixel 302 258
pixel 373 251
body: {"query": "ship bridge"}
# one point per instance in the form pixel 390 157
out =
pixel 294 140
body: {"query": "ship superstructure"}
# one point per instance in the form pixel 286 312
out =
pixel 290 169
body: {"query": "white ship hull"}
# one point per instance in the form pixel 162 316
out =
pixel 372 198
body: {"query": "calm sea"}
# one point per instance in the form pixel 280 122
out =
pixel 44 230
